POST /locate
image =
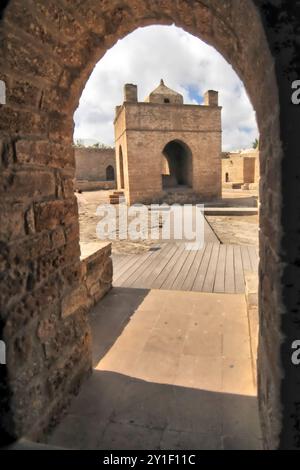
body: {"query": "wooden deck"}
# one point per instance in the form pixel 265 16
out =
pixel 215 268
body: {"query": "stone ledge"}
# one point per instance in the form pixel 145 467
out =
pixel 230 210
pixel 97 271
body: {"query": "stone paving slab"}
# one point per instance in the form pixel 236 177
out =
pixel 172 371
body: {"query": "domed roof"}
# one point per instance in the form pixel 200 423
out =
pixel 164 95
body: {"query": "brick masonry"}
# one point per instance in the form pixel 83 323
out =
pixel 144 129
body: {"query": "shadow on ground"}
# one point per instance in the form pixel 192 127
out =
pixel 110 316
pixel 172 371
pixel 115 411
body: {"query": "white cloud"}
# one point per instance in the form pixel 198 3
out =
pixel 184 62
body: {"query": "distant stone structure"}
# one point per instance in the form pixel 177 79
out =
pixel 95 168
pixel 167 150
pixel 240 169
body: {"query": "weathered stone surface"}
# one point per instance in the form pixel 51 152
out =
pixel 49 215
pixel 14 121
pixel 6 153
pixel 75 300
pixel 97 271
pixel 35 184
pixel 44 153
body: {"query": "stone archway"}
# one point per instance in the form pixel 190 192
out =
pixel 178 165
pixel 48 51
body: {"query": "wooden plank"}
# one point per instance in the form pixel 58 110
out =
pixel 190 278
pixel 159 265
pixel 219 285
pixel 122 281
pixel 119 260
pixel 246 258
pixel 169 274
pixel 201 274
pixel 253 258
pixel 176 270
pixel 229 271
pixel 136 276
pixel 238 270
pixel 178 283
pixel 147 268
pixel 208 285
pixel 132 259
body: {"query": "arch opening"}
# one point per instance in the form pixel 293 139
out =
pixel 110 173
pixel 177 165
pixel 236 51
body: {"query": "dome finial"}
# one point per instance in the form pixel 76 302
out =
pixel 161 81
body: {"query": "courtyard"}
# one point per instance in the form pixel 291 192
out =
pixel 173 359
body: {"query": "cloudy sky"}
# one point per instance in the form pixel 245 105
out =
pixel 186 64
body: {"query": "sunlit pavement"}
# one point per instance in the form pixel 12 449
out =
pixel 172 371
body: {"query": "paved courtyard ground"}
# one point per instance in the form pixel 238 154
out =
pixel 229 229
pixel 172 370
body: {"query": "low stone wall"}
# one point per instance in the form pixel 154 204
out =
pixel 97 270
pixel 92 163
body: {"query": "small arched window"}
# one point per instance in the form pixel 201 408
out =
pixel 110 173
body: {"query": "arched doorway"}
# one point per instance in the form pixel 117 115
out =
pixel 110 173
pixel 177 167
pixel 38 132
pixel 121 169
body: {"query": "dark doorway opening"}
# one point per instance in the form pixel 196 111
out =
pixel 110 173
pixel 177 169
pixel 121 166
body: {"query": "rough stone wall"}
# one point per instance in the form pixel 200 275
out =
pixel 91 163
pixel 48 50
pixel 97 271
pixel 146 128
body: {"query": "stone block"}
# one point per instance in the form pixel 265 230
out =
pixel 27 184
pixel 48 215
pixel 75 300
